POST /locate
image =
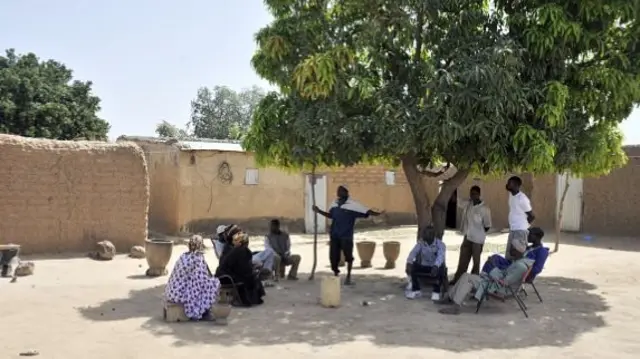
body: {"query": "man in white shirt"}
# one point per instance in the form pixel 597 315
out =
pixel 520 214
pixel 476 222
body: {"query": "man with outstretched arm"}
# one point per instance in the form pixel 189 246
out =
pixel 343 214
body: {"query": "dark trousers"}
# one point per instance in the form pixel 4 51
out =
pixel 419 271
pixel 337 245
pixel 468 251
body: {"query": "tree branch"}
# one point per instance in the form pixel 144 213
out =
pixel 430 173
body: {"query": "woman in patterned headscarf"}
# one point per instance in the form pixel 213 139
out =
pixel 237 264
pixel 191 283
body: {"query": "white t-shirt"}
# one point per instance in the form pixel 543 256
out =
pixel 519 205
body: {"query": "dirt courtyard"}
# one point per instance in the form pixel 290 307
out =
pixel 79 308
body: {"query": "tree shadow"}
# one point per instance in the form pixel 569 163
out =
pixel 375 309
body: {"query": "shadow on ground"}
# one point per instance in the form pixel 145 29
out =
pixel 291 314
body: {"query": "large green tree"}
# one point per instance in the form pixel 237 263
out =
pixel 41 99
pixel 222 113
pixel 534 86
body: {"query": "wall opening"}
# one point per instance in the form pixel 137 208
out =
pixel 452 211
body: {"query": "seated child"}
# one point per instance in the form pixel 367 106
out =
pixel 427 258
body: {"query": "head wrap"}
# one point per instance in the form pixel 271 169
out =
pixel 240 238
pixel 221 228
pixel 196 244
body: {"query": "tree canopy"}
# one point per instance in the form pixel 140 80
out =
pixel 222 113
pixel 41 99
pixel 516 86
pixel 166 129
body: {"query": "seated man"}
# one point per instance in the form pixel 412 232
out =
pixel 496 281
pixel 191 283
pixel 536 252
pixel 427 258
pixel 279 242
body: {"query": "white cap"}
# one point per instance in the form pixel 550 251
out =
pixel 221 229
pixel 345 187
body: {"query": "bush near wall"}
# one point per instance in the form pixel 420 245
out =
pixel 63 196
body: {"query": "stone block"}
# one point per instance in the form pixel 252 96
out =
pixel 173 313
pixel 25 269
pixel 137 252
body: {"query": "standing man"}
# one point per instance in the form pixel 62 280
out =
pixel 343 214
pixel 476 222
pixel 520 214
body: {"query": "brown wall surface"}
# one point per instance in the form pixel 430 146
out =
pixel 611 202
pixel 163 163
pixel 496 197
pixel 64 196
pixel 368 186
pixel 206 201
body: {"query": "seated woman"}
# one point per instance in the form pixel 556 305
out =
pixel 265 260
pixel 191 283
pixel 236 263
pixel 224 234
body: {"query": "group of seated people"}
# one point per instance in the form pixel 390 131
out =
pixel 427 259
pixel 192 284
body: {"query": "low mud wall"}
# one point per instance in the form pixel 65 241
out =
pixel 64 196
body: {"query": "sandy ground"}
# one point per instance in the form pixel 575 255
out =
pixel 79 308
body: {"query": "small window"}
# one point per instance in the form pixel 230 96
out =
pixel 390 178
pixel 251 176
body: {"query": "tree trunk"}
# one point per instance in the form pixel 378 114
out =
pixel 556 247
pixel 439 210
pixel 315 223
pixel 418 190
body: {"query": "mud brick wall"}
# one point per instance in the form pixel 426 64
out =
pixel 63 196
pixel 367 185
pixel 611 202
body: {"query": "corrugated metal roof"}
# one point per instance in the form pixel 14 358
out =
pixel 200 144
pixel 210 146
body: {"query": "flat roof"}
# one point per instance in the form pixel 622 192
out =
pixel 200 144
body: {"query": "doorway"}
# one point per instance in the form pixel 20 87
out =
pixel 572 209
pixel 320 187
pixel 451 222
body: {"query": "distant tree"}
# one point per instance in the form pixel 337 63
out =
pixel 166 129
pixel 41 99
pixel 223 113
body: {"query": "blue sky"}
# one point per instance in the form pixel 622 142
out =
pixel 147 58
